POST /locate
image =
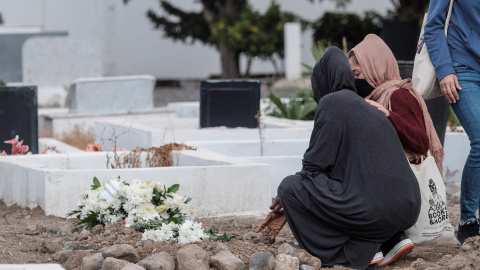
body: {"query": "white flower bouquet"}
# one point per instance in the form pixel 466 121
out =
pixel 161 213
pixel 93 210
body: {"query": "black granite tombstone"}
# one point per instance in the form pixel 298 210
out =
pixel 18 116
pixel 230 103
pixel 401 37
pixel 437 107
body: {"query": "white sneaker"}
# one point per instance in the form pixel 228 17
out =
pixel 378 257
pixel 403 246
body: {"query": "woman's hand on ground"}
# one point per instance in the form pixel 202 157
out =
pixel 274 223
pixel 379 107
pixel 449 86
pixel 276 206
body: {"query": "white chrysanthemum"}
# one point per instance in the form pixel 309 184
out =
pixel 170 203
pixel 114 218
pixel 151 184
pixel 186 209
pixel 128 206
pixel 147 209
pixel 195 236
pixel 183 236
pixel 172 225
pixel 117 204
pixel 164 215
pixel 197 226
pixel 149 235
pixel 136 199
pixel 188 224
pixel 178 199
pixel 103 205
pixel 165 233
pixel 147 196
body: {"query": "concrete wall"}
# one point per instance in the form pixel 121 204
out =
pixel 130 44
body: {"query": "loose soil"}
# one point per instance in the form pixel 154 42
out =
pixel 28 236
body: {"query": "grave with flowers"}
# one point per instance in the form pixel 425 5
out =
pixel 218 184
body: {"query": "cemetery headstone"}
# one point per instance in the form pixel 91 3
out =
pixel 57 61
pixel 18 116
pixel 230 103
pixel 11 45
pixel 111 94
pixel 68 59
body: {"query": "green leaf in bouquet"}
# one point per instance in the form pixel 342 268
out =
pixel 173 188
pixel 90 221
pixel 73 213
pixel 188 200
pixel 172 219
pixel 156 193
pixel 214 236
pixel 96 183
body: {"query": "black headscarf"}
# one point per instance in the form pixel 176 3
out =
pixel 332 73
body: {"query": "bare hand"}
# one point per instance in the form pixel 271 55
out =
pixel 449 86
pixel 276 206
pixel 379 107
pixel 274 223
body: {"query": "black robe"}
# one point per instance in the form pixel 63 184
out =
pixel 356 189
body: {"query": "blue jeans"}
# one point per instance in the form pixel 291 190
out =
pixel 467 110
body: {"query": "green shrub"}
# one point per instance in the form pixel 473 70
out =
pixel 301 107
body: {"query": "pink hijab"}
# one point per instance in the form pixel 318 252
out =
pixel 380 69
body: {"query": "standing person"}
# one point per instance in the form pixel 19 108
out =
pixel 378 81
pixel 457 63
pixel 341 207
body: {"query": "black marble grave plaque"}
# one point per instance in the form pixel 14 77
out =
pixel 18 116
pixel 230 103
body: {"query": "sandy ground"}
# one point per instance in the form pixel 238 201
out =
pixel 28 236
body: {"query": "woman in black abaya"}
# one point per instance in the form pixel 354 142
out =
pixel 356 189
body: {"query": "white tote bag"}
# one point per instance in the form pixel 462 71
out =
pixel 433 224
pixel 424 77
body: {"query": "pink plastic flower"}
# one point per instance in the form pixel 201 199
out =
pixel 17 147
pixel 93 147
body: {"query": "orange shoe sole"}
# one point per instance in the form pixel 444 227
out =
pixel 400 254
pixel 377 258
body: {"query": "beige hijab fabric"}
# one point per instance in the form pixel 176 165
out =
pixel 380 69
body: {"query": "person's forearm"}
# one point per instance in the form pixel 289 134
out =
pixel 435 39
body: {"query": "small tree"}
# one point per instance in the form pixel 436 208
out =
pixel 232 26
pixel 407 10
pixel 332 27
pixel 254 34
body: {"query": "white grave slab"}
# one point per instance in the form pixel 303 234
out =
pixel 111 94
pixel 284 156
pixel 218 185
